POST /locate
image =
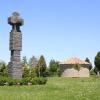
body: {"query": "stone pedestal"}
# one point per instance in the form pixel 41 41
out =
pixel 15 70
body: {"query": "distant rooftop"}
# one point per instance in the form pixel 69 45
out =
pixel 74 60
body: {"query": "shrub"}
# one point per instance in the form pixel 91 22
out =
pixel 92 72
pixel 11 82
pixel 26 72
pixel 42 80
pixel 25 81
pixel 33 72
pixel 38 80
pixel 3 80
pixel 34 81
pixel 8 81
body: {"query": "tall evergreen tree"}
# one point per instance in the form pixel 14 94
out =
pixel 33 61
pixel 97 63
pixel 95 70
pixel 24 61
pixel 33 72
pixel 53 67
pixel 41 66
pixel 3 69
pixel 25 72
pixel 88 60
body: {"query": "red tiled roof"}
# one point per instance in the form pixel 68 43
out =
pixel 74 60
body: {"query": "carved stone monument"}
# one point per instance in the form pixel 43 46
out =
pixel 15 46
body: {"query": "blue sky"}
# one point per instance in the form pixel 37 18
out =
pixel 58 29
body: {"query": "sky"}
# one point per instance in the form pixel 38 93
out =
pixel 57 29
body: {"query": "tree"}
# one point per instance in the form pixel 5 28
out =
pixel 97 63
pixel 53 67
pixel 93 71
pixel 33 72
pixel 41 66
pixel 88 60
pixel 3 69
pixel 33 62
pixel 25 72
pixel 24 61
pixel 77 67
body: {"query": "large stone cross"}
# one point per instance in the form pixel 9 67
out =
pixel 15 21
pixel 15 46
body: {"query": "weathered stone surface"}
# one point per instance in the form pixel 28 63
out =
pixel 15 70
pixel 15 41
pixel 15 46
pixel 67 68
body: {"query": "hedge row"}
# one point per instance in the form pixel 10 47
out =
pixel 24 81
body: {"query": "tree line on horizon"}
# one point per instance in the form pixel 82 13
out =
pixel 37 67
pixel 34 67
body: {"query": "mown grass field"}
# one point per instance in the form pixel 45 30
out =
pixel 57 88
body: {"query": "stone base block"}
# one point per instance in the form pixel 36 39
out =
pixel 15 70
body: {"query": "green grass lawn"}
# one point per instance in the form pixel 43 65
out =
pixel 57 88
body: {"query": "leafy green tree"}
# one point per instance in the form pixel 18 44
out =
pixel 41 66
pixel 24 61
pixel 77 67
pixel 88 60
pixel 33 72
pixel 92 72
pixel 53 67
pixel 97 63
pixel 3 69
pixel 95 70
pixel 47 72
pixel 33 61
pixel 25 72
pixel 25 68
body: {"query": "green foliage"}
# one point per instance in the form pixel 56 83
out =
pixel 41 67
pixel 41 80
pixel 24 81
pixel 24 61
pixel 3 80
pixel 38 80
pixel 33 72
pixel 92 72
pixel 95 70
pixel 88 60
pixel 8 81
pixel 97 61
pixel 34 81
pixel 26 72
pixel 33 61
pixel 77 67
pixel 3 69
pixel 57 88
pixel 47 72
pixel 11 82
pixel 53 67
